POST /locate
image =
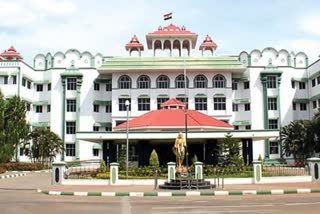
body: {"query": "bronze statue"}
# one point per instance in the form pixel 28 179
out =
pixel 179 150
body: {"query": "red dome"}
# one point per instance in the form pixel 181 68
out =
pixel 208 43
pixel 134 43
pixel 11 53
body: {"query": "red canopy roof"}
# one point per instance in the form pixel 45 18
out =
pixel 11 53
pixel 172 30
pixel 134 43
pixel 174 118
pixel 208 43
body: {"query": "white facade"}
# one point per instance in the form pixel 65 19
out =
pixel 49 70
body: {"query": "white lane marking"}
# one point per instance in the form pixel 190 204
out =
pixel 302 203
pixel 223 206
pixel 125 205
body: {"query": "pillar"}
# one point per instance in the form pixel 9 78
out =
pixel 257 171
pixel 198 170
pixel 79 83
pixel 57 174
pixel 114 173
pixel 63 131
pixel 314 166
pixel 171 171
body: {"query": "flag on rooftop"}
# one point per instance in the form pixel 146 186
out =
pixel 167 16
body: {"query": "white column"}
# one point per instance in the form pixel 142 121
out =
pixel 114 173
pixel 171 171
pixel 198 170
pixel 257 171
pixel 57 175
pixel 314 166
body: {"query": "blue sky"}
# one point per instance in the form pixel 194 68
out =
pixel 105 26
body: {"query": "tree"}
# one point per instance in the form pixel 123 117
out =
pixel 15 124
pixel 229 151
pixel 154 160
pixel 45 145
pixel 298 140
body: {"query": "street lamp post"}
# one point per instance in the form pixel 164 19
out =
pixel 127 103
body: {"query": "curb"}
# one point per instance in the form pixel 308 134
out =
pixel 12 175
pixel 187 193
pixel 38 171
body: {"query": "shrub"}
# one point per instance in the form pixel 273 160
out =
pixel 103 167
pixel 2 170
pixel 154 160
pixel 21 166
pixel 105 175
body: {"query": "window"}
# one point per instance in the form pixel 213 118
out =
pixel 5 80
pixel 38 109
pixel 108 128
pixel 95 128
pixel 235 107
pixel 184 100
pixel 95 108
pixel 234 85
pixel 319 103
pixel 71 127
pixel 109 108
pixel 200 103
pixel 29 84
pixel 48 108
pixel 271 82
pixel 70 149
pixel 96 86
pixel 302 85
pixel 313 82
pixel 21 151
pixel 180 81
pixel 272 103
pixel 24 82
pixel 274 147
pixel 14 80
pixel 219 103
pixel 28 106
pixel 248 127
pixel 49 87
pixel 247 107
pixel 143 81
pixel 122 104
pixel 318 80
pixel 124 82
pixel 246 85
pixel 294 106
pixel 161 100
pixel 200 81
pixel 219 81
pixel 143 104
pixel 71 105
pixel 303 106
pixel 236 127
pixel 109 86
pixel 273 124
pixel 39 87
pixel 95 152
pixel 71 84
pixel 314 104
pixel 293 84
pixel 163 82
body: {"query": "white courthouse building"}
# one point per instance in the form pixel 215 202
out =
pixel 81 96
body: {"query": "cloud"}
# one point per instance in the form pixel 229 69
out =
pixel 310 24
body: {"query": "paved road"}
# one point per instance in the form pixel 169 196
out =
pixel 18 195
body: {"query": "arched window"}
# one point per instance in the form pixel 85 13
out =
pixel 219 81
pixel 200 81
pixel 143 81
pixel 180 81
pixel 163 81
pixel 124 82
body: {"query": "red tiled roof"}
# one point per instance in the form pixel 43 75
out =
pixel 174 118
pixel 134 43
pixel 172 102
pixel 11 53
pixel 172 30
pixel 208 43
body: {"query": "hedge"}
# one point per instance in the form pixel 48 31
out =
pixel 21 166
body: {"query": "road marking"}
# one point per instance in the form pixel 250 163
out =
pixel 108 194
pixel 303 190
pixel 54 193
pixel 125 205
pixel 223 206
pixel 249 192
pixel 192 193
pixel 302 203
pixel 81 193
pixel 221 193
pixel 138 194
pixel 164 193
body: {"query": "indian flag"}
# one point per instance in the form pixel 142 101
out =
pixel 167 16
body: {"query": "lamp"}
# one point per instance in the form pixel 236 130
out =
pixel 127 104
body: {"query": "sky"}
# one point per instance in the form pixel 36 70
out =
pixel 105 26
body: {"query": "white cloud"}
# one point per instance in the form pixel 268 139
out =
pixel 310 24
